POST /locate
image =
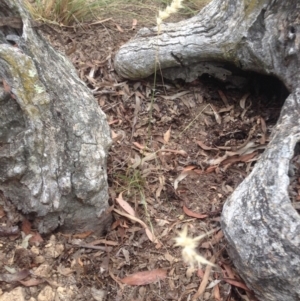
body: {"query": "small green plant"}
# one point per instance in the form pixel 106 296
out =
pixel 132 182
pixel 63 12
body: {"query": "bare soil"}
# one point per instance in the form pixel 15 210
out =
pixel 179 151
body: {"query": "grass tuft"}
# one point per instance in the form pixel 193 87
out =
pixel 63 12
pixel 70 12
pixel 132 182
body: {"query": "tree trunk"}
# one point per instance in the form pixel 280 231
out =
pixel 260 224
pixel 53 136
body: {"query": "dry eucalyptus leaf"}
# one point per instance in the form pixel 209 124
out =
pixel 125 205
pixel 174 96
pixel 167 135
pixel 143 278
pixel 243 101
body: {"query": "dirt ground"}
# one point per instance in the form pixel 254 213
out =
pixel 179 151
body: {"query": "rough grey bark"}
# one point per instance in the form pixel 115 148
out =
pixel 260 224
pixel 253 35
pixel 53 136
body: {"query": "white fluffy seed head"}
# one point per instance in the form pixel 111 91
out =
pixel 189 245
pixel 170 9
pixel 163 14
pixel 177 4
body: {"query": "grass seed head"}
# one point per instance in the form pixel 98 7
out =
pixel 170 9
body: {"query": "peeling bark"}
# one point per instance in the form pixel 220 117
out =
pixel 260 224
pixel 54 137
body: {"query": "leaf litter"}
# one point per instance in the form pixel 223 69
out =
pixel 175 159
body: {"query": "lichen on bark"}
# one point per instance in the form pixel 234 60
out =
pixel 54 136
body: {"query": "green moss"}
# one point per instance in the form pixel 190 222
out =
pixel 29 90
